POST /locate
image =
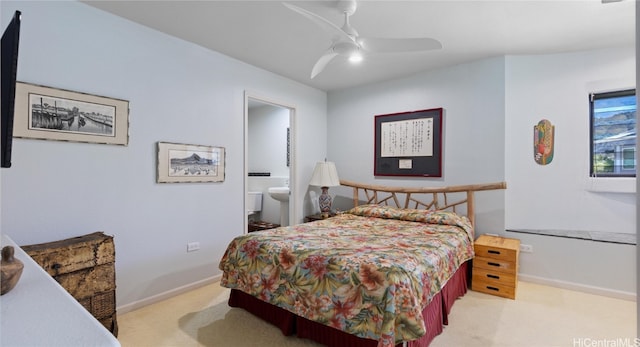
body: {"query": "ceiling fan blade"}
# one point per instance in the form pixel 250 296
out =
pixel 385 45
pixel 326 25
pixel 323 61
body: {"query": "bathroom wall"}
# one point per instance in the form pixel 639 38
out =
pixel 267 152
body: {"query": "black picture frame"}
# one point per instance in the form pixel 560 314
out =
pixel 409 143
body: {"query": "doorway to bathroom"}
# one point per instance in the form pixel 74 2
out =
pixel 269 161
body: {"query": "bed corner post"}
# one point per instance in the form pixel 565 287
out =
pixel 471 214
pixel 355 196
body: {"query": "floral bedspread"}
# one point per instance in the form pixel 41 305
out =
pixel 369 271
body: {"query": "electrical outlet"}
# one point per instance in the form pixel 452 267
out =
pixel 526 248
pixel 193 246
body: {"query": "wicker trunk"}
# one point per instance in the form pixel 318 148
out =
pixel 85 267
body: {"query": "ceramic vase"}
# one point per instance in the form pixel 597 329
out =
pixel 10 269
pixel 325 202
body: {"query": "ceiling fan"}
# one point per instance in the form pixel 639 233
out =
pixel 348 43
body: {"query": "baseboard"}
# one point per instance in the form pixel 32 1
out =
pixel 166 295
pixel 523 277
pixel 579 287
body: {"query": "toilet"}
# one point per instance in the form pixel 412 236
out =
pixel 253 203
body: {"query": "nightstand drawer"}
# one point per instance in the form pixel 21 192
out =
pixel 507 266
pixel 494 289
pixel 495 252
pixel 493 277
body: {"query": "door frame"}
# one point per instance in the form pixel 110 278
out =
pixel 262 98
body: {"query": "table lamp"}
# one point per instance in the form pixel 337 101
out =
pixel 324 176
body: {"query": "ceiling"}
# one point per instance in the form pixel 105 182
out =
pixel 268 35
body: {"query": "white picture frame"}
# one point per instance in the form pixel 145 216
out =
pixel 48 113
pixel 184 163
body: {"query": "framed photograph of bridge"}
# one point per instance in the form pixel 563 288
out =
pixel 182 163
pixel 55 114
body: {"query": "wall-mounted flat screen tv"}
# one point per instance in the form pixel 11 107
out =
pixel 10 40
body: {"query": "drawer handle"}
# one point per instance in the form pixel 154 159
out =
pixel 493 276
pixel 493 264
pixel 56 266
pixel 493 288
pixel 493 252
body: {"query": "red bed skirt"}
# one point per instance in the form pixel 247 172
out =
pixel 435 315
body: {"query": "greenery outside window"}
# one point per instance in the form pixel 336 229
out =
pixel 613 134
pixel 629 158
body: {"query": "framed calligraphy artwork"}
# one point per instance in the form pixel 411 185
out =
pixel 409 144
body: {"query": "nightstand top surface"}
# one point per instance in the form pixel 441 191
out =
pixel 318 216
pixel 498 241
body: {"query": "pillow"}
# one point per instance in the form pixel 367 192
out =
pixel 390 212
pixel 411 215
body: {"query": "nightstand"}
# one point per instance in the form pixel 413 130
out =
pixel 315 217
pixel 495 266
pixel 260 225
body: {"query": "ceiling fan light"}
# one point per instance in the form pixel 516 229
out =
pixel 355 57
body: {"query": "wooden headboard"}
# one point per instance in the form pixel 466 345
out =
pixel 451 198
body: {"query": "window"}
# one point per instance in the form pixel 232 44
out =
pixel 613 134
pixel 628 158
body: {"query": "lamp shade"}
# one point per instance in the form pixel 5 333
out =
pixel 325 175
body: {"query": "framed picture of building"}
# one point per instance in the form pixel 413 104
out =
pixel 182 163
pixel 55 114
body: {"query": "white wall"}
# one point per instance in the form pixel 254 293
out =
pixel 472 96
pixel 560 196
pixel 637 181
pixel 490 108
pixel 178 92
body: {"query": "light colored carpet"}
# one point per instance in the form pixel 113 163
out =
pixel 540 316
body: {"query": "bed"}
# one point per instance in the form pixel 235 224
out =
pixel 383 273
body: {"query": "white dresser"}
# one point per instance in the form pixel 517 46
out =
pixel 39 312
